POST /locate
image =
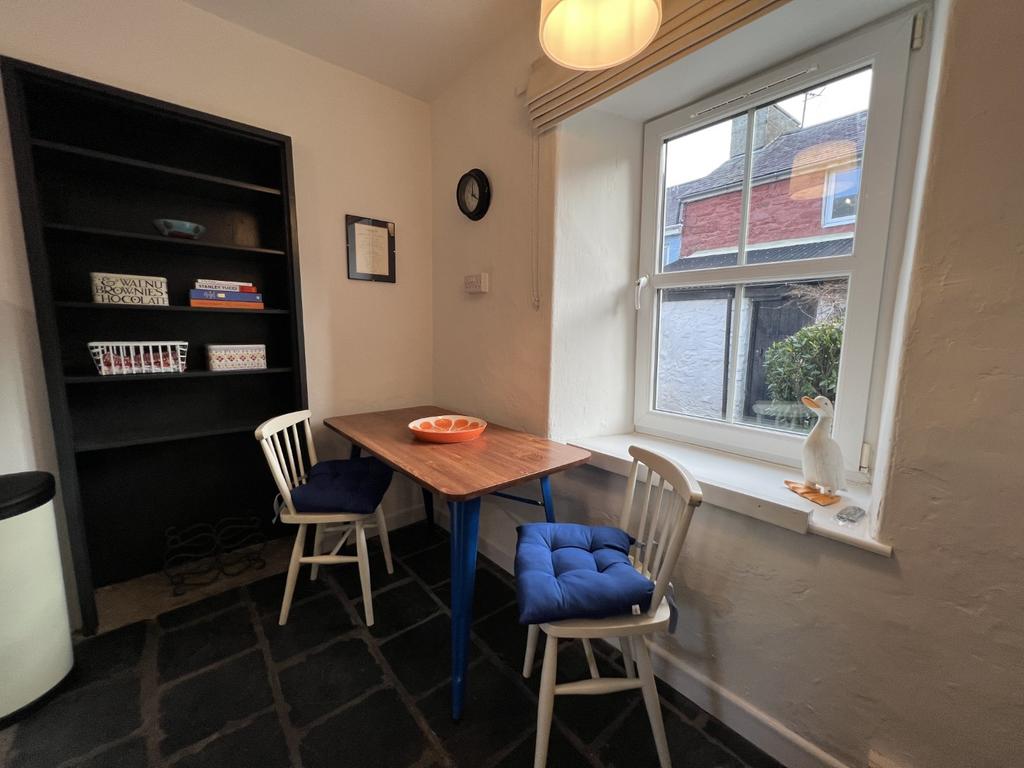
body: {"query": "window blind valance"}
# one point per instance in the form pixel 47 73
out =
pixel 555 93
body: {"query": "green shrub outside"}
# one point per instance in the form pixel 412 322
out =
pixel 806 363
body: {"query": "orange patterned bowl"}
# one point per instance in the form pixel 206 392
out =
pixel 451 428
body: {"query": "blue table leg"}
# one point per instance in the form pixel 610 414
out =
pixel 465 524
pixel 354 453
pixel 428 505
pixel 549 504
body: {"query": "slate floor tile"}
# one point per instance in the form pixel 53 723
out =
pixel 410 539
pixel 329 679
pixel 99 657
pixel 421 657
pixel 586 716
pixel 309 624
pixel 378 732
pixel 218 710
pixel 200 706
pixel 200 609
pixel 676 699
pixel 504 635
pixel 77 723
pixel 561 753
pixel 399 608
pixel 497 711
pixel 200 644
pixel 128 754
pixel 489 593
pixel 433 565
pixel 347 575
pixel 261 744
pixel 749 753
pixel 267 593
pixel 632 744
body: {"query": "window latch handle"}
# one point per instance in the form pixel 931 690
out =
pixel 640 283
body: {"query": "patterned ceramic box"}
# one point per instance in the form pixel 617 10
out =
pixel 235 357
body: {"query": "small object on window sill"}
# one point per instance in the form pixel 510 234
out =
pixel 822 457
pixel 849 515
pixel 811 493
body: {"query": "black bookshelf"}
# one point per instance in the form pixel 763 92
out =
pixel 137 454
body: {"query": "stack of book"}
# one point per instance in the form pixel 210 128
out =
pixel 225 294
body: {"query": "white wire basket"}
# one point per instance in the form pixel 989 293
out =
pixel 114 358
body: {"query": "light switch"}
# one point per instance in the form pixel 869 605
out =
pixel 478 283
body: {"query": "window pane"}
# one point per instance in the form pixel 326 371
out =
pixel 790 339
pixel 693 351
pixel 806 172
pixel 703 196
pixel 842 197
pixel 789 343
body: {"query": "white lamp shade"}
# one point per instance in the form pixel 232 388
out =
pixel 597 34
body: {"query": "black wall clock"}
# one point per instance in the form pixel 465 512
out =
pixel 473 194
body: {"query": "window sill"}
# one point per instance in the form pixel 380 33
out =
pixel 747 486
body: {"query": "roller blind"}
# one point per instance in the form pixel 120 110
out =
pixel 554 93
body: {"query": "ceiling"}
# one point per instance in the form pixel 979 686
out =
pixel 414 46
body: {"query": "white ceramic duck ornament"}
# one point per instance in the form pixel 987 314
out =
pixel 823 459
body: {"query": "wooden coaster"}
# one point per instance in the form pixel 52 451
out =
pixel 811 493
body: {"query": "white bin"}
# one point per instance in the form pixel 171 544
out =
pixel 35 637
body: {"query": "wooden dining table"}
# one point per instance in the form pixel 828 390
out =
pixel 461 473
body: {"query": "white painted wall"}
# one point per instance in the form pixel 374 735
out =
pixel 491 351
pixel 818 651
pixel 359 147
pixel 692 360
pixel 596 237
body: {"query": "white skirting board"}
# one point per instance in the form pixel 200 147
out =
pixel 752 723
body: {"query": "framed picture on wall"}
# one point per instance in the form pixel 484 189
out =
pixel 370 244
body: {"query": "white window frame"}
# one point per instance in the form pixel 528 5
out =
pixel 827 219
pixel 886 49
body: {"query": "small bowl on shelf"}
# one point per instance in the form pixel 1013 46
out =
pixel 451 428
pixel 188 230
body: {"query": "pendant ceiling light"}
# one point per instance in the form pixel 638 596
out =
pixel 597 34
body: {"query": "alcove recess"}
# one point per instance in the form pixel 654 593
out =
pixel 139 453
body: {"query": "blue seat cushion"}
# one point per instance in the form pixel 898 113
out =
pixel 569 571
pixel 356 485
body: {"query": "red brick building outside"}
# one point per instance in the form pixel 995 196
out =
pixel 805 188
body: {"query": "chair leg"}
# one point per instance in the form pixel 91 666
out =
pixel 588 649
pixel 531 648
pixel 293 574
pixel 651 701
pixel 627 657
pixel 364 573
pixel 546 702
pixel 318 536
pixel 382 531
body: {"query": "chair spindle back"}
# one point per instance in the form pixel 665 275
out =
pixel 282 446
pixel 669 499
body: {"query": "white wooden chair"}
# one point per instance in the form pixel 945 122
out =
pixel 671 496
pixel 282 446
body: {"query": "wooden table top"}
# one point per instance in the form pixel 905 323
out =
pixel 499 458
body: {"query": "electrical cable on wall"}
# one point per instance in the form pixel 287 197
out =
pixel 535 203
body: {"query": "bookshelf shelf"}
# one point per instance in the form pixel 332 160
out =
pixel 92 306
pixel 184 246
pixel 92 161
pixel 129 440
pixel 95 378
pixel 95 166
